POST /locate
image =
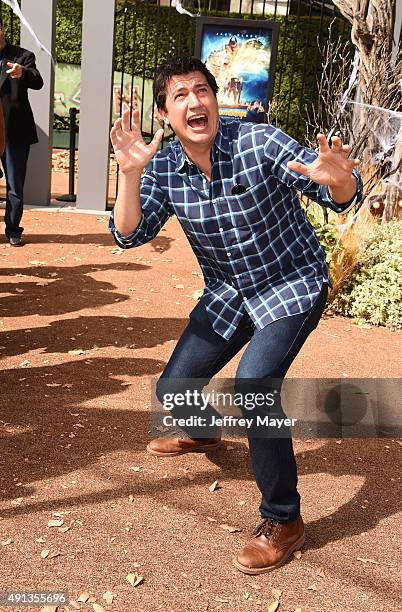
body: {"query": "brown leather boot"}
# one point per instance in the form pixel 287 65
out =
pixel 272 545
pixel 171 446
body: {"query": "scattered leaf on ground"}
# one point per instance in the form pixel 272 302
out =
pixel 76 352
pixel 247 595
pixel 179 286
pixel 74 604
pixel 98 607
pixel 108 597
pixel 214 486
pixel 45 553
pixel 367 560
pixel 222 599
pixel 49 609
pixel 211 519
pixel 312 587
pixel 320 573
pixel 134 579
pixel 254 586
pixel 83 598
pixel 131 498
pixel 197 294
pixel 7 542
pixel 230 528
pixel 297 554
pixel 277 593
pixel 273 606
pixel 55 523
pixel 54 554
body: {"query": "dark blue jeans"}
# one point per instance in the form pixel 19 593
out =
pixel 201 353
pixel 14 160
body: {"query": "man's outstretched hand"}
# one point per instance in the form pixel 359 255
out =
pixel 132 153
pixel 332 166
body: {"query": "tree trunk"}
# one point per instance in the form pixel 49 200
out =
pixel 393 189
pixel 373 24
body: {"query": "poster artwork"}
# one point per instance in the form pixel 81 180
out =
pixel 240 58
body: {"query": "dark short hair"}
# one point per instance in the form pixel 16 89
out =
pixel 177 67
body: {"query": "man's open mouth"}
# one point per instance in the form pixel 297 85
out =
pixel 198 121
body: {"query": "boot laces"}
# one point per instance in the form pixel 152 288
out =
pixel 266 528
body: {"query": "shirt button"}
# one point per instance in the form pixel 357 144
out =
pixel 229 254
pixel 221 229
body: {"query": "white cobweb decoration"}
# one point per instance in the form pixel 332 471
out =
pixel 384 125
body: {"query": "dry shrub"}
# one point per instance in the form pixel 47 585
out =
pixel 353 238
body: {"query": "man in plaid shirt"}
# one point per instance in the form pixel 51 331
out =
pixel 233 187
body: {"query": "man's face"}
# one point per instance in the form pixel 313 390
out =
pixel 192 110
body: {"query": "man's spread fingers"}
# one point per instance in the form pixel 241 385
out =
pixel 125 121
pixel 323 143
pixel 157 138
pixel 135 119
pixel 336 143
pixel 298 167
pixel 346 149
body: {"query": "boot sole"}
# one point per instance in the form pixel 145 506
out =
pixel 264 570
pixel 199 449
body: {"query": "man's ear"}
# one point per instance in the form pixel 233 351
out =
pixel 163 116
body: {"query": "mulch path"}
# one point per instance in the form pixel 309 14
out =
pixel 84 330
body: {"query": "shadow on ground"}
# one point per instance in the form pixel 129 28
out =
pixel 159 244
pixel 92 333
pixel 59 290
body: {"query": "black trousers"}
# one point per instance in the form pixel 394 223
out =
pixel 14 160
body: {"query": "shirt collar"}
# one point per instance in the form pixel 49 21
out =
pixel 221 141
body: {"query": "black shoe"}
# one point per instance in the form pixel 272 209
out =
pixel 15 241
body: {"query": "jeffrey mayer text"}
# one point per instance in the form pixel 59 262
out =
pixel 227 421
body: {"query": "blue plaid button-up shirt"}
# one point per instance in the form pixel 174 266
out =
pixel 257 251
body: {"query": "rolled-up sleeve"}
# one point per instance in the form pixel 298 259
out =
pixel 155 211
pixel 280 148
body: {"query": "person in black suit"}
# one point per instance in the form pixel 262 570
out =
pixel 18 74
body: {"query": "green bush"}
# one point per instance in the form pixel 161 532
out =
pixel 68 31
pixel 326 234
pixel 373 291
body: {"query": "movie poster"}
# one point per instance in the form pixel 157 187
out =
pixel 240 55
